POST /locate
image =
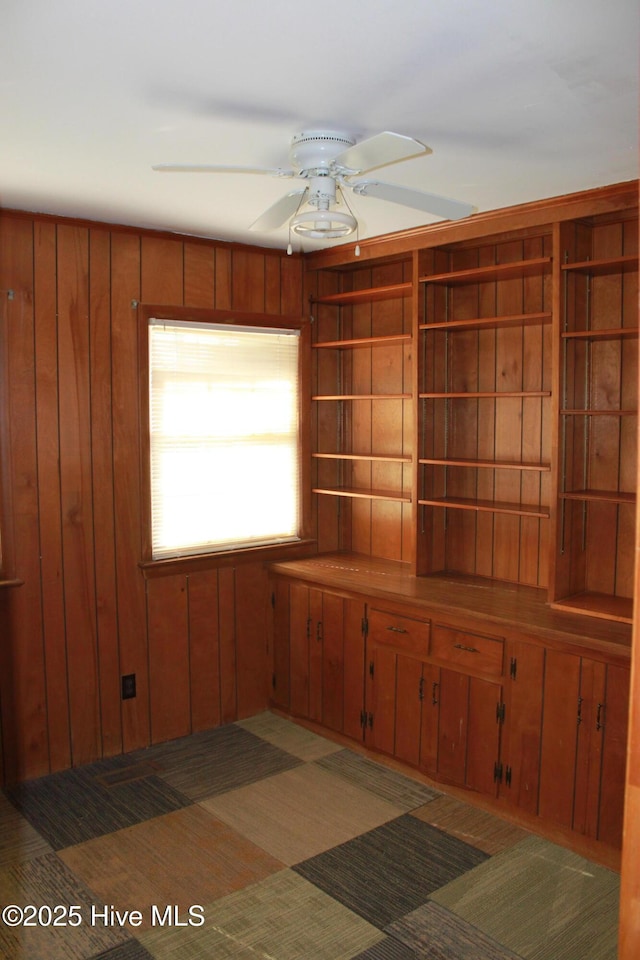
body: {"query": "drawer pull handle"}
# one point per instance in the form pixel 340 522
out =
pixel 462 646
pixel 397 629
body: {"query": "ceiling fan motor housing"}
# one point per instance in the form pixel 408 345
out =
pixel 314 150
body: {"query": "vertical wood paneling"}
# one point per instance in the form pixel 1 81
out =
pixel 24 693
pixel 100 358
pixel 227 633
pixel 72 450
pixel 162 271
pixel 248 281
pixel 199 275
pixel 49 495
pixel 76 492
pixel 223 278
pixel 204 650
pixel 125 288
pixel 251 583
pixel 169 688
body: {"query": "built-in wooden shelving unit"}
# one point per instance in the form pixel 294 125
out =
pixel 488 384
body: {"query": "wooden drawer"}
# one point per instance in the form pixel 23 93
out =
pixel 472 651
pixel 399 631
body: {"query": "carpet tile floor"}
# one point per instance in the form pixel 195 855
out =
pixel 263 841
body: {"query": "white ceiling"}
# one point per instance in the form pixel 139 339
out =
pixel 519 100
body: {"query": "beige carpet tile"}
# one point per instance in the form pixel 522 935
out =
pixel 45 885
pixel 281 918
pixel 300 813
pixel 477 827
pixel 184 858
pixel 289 736
pixel 402 791
pixel 18 839
pixel 537 899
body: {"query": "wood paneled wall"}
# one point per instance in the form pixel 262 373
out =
pixel 85 614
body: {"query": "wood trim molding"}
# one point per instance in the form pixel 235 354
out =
pixel 601 200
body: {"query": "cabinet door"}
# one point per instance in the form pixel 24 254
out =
pixel 602 743
pixel 316 653
pixel 614 729
pixel 354 669
pixel 299 638
pixel 332 631
pixel 521 730
pixel 468 739
pixel 559 737
pixel 409 700
pixel 583 751
pixel 430 720
pixel 393 704
pixel 279 639
pixel 380 701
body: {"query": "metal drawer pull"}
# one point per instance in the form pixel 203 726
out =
pixel 461 646
pixel 397 629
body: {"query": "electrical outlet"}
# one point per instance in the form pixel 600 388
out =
pixel 128 686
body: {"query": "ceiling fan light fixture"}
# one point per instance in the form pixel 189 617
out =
pixel 323 224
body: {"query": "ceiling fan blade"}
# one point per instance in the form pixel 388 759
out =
pixel 215 168
pixel 429 202
pixel 379 151
pixel 279 212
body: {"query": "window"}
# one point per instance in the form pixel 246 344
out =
pixel 224 424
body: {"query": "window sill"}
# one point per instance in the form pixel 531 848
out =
pixel 211 561
pixel 11 583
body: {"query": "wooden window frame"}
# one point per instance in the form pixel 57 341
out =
pixel 268 552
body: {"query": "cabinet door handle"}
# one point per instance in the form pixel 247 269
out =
pixel 599 720
pixel 397 629
pixel 434 693
pixel 319 631
pixel 463 646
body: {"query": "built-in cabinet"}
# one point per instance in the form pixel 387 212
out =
pixel 474 427
pixel 486 703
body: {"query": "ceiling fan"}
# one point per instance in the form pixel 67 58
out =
pixel 332 162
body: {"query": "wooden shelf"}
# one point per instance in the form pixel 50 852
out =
pixel 600 605
pixel 602 496
pixel 390 292
pixel 363 494
pixel 388 340
pixel 616 333
pixel 377 458
pixel 490 323
pixel 487 506
pixel 363 396
pixel 598 267
pixel 484 394
pixel 486 464
pixel 498 271
pixel 598 413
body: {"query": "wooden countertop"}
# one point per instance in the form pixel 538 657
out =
pixel 516 610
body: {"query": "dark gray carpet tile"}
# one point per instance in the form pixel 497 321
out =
pixel 390 949
pixel 402 791
pixel 434 932
pixel 131 950
pixel 207 764
pixel 77 805
pixel 46 883
pixel 388 872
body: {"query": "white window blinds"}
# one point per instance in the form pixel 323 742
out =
pixel 225 469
